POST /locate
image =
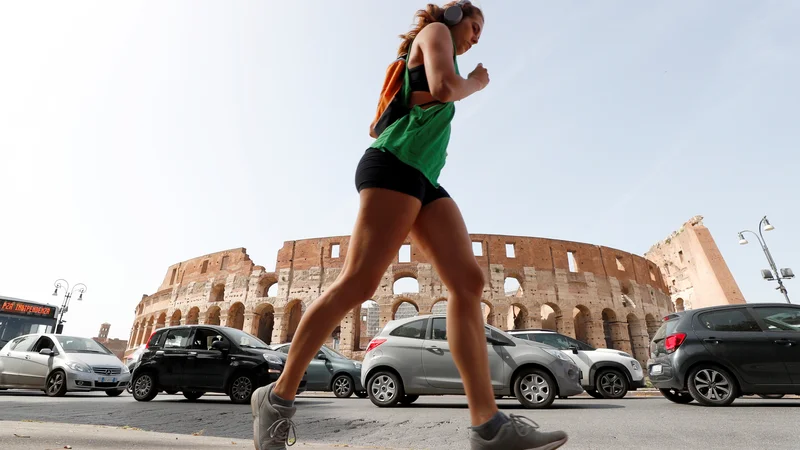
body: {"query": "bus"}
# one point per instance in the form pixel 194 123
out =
pixel 20 317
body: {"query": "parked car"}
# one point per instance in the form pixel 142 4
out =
pixel 196 359
pixel 607 373
pixel 716 354
pixel 57 364
pixel 331 371
pixel 411 357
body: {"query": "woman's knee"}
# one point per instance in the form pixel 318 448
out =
pixel 469 283
pixel 358 286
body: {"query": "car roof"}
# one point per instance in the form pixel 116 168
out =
pixel 724 307
pixel 530 330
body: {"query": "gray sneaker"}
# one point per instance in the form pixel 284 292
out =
pixel 271 423
pixel 518 435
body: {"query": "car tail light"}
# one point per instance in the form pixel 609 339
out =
pixel 673 341
pixel 147 345
pixel 374 343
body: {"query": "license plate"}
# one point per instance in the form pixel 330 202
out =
pixel 656 369
pixel 108 379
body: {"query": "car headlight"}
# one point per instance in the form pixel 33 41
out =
pixel 125 369
pixel 272 359
pixel 79 367
pixel 635 364
pixel 557 353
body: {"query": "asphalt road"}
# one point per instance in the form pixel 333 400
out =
pixel 436 422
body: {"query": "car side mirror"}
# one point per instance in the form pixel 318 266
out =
pixel 219 345
pixel 574 349
pixel 322 356
pixel 46 351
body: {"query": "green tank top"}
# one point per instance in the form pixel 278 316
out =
pixel 420 138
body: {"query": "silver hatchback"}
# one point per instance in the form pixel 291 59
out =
pixel 411 357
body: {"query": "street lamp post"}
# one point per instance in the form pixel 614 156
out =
pixel 67 296
pixel 766 273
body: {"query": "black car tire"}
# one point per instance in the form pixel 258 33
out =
pixel 362 394
pixel 611 384
pixel 145 386
pixel 594 393
pixel 385 389
pixel 129 388
pixel 56 384
pixel 682 398
pixel 114 392
pixel 193 395
pixel 409 399
pixel 716 376
pixel 771 396
pixel 241 388
pixel 532 381
pixel 343 386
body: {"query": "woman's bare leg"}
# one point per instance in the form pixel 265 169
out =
pixel 442 234
pixel 384 222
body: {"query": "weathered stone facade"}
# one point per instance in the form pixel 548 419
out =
pixel 604 296
pixel 693 268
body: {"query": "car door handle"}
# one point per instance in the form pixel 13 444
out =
pixel 192 354
pixel 160 353
pixel 712 341
pixel 27 357
pixel 786 342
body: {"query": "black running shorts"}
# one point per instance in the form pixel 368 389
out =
pixel 382 169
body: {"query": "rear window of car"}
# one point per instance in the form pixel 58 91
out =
pixel 666 328
pixel 415 329
pixel 155 338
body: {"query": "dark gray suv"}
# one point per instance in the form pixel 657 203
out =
pixel 714 355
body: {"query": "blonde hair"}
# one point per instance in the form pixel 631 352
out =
pixel 432 14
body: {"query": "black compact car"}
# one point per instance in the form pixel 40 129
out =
pixel 196 359
pixel 716 354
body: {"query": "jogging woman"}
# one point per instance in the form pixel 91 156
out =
pixel 397 181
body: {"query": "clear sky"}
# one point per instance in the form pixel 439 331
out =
pixel 138 135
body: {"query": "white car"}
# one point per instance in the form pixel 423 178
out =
pixel 606 373
pixel 58 364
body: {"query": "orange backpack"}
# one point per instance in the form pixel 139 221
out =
pixel 393 102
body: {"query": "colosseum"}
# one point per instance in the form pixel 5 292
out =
pixel 603 296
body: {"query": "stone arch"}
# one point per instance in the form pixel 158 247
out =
pixel 439 306
pixel 193 316
pixel 162 320
pixel 217 293
pixel 581 318
pixel 292 313
pixel 403 308
pixel 265 322
pixel 175 319
pixel 370 323
pixel 212 316
pixel 652 325
pixel 513 285
pixel 638 338
pixel 551 316
pixel 268 287
pixel 236 316
pixel 335 338
pixel 679 304
pixel 609 318
pixel 488 310
pixel 405 283
pixel 518 317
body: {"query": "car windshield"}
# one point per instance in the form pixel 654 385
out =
pixel 246 339
pixel 72 344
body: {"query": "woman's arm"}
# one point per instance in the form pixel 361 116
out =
pixel 437 52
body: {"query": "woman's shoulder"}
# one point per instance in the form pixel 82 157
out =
pixel 436 30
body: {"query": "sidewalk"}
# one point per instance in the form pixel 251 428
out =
pixel 55 436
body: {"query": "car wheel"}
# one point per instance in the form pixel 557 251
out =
pixel 241 389
pixel 594 393
pixel 712 386
pixel 385 389
pixel 145 387
pixel 56 384
pixel 343 386
pixel 362 394
pixel 611 384
pixel 771 396
pixel 114 392
pixel 129 388
pixel 534 388
pixel 672 395
pixel 193 395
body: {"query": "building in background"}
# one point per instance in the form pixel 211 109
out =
pixel 117 346
pixel 693 268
